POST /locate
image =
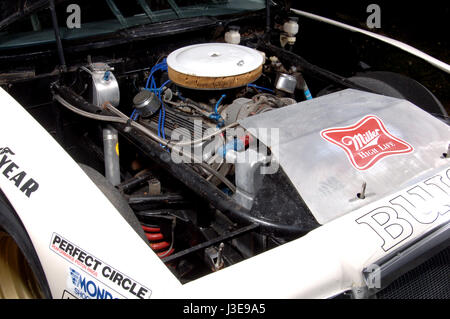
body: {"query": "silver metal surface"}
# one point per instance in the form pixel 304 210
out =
pixel 154 187
pixel 104 85
pixel 106 89
pixel 362 194
pixel 286 83
pixel 110 147
pixel 146 102
pixel 321 171
pixel 243 107
pixel 247 176
pixel 231 112
pixel 142 99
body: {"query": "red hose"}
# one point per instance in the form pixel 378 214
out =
pixel 154 236
pixel 160 245
pixel 164 254
pixel 151 229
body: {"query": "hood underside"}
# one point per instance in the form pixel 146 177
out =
pixel 12 10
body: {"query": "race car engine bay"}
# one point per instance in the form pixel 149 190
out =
pixel 192 132
pixel 167 134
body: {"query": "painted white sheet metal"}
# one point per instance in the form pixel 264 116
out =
pixel 69 205
pixel 330 259
pixel 68 211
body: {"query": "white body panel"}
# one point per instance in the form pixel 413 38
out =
pixel 67 204
pixel 330 259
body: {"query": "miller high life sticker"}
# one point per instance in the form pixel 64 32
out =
pixel 366 142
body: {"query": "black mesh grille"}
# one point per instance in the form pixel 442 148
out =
pixel 429 280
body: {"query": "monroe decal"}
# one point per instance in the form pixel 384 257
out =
pixel 366 142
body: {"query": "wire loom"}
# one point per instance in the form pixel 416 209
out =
pixel 162 66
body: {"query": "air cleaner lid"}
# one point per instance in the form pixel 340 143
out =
pixel 214 65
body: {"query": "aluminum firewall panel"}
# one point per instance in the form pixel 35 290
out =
pixel 329 146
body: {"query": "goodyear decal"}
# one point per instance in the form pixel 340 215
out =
pixel 12 171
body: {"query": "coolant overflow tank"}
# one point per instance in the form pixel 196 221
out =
pixel 104 85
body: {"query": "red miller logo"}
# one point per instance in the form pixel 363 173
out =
pixel 366 142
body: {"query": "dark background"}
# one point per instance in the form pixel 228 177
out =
pixel 421 24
